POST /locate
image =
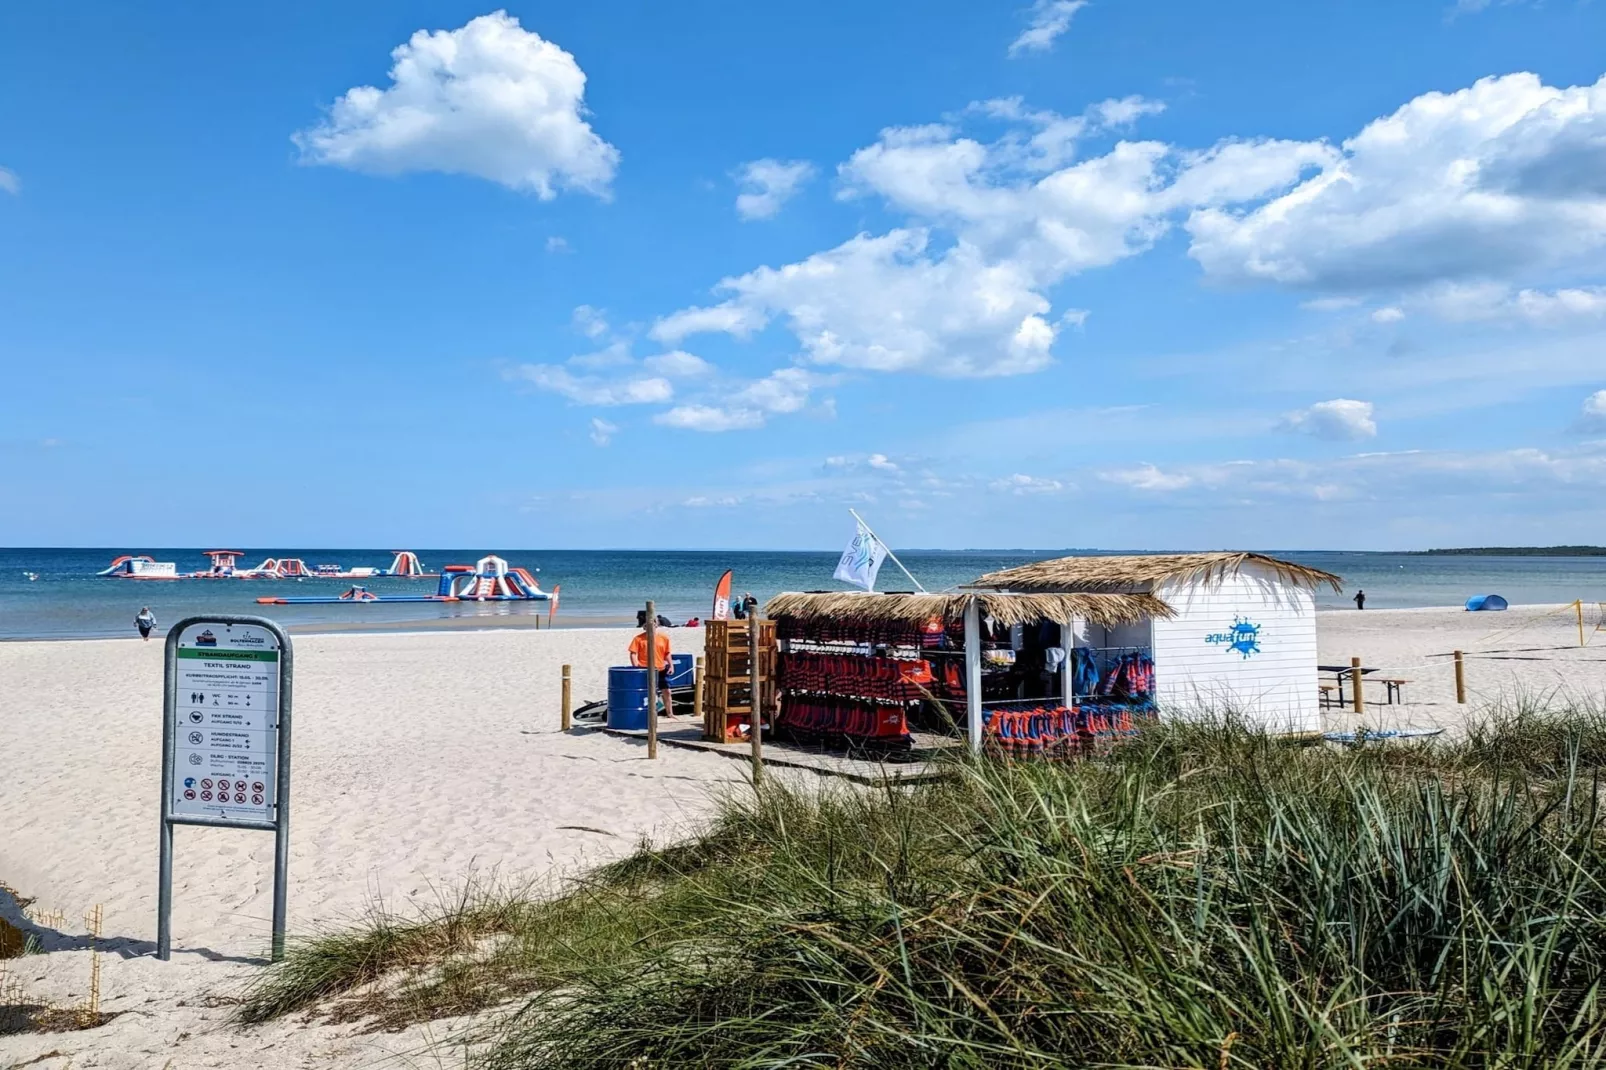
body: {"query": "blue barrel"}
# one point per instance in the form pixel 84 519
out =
pixel 682 670
pixel 628 701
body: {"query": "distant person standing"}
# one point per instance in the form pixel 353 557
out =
pixel 145 621
pixel 638 657
pixel 1360 599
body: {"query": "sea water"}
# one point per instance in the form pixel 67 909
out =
pixel 608 586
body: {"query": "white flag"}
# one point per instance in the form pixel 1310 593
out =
pixel 861 560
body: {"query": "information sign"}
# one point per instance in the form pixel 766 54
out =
pixel 225 729
pixel 226 744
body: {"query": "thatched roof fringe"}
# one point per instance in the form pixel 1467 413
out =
pixel 857 608
pixel 1126 573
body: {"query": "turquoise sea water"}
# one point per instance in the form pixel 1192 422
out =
pixel 601 586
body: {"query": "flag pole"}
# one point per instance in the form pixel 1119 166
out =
pixel 890 554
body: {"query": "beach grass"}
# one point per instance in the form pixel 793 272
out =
pixel 1199 896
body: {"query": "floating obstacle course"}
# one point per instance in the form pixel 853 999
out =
pixel 226 566
pixel 140 567
pixel 490 579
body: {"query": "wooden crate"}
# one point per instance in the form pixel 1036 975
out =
pixel 728 681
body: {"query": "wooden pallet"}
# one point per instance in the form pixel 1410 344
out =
pixel 728 681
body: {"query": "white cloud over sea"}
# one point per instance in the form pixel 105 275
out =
pixel 489 99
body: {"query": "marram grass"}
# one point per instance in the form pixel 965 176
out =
pixel 1201 897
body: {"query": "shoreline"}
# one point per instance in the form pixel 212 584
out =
pixel 436 626
pixel 593 622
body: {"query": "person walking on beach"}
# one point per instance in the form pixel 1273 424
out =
pixel 638 657
pixel 1360 599
pixel 145 621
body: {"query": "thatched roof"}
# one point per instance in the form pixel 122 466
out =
pixel 1134 572
pixel 862 608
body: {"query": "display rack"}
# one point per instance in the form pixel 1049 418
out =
pixel 852 684
pixel 728 680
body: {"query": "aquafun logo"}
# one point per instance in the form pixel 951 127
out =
pixel 1244 637
pixel 206 638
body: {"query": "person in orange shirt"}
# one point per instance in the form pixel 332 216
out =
pixel 638 657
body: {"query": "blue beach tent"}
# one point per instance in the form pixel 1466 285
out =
pixel 1485 601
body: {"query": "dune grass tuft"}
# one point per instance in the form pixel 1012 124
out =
pixel 1201 896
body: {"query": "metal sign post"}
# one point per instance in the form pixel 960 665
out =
pixel 226 744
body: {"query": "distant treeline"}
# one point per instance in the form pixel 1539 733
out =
pixel 1524 551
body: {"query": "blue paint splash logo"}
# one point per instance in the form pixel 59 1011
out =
pixel 1244 637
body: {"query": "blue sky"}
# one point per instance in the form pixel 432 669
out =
pixel 1127 274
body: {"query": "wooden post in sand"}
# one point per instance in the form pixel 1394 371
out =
pixel 697 691
pixel 1579 605
pixel 755 704
pixel 568 694
pixel 1460 678
pixel 1355 684
pixel 652 680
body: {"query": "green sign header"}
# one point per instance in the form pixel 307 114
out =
pixel 228 655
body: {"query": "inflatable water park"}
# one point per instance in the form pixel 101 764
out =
pixel 140 567
pixel 226 566
pixel 490 579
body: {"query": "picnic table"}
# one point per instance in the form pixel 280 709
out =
pixel 1391 686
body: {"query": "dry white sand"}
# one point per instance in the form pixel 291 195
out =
pixel 1525 655
pixel 420 758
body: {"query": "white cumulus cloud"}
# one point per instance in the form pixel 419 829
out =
pixel 1022 485
pixel 1593 417
pixel 489 99
pixel 730 318
pixel 888 304
pixel 1409 476
pixel 710 418
pixel 783 391
pixel 1504 178
pixel 9 182
pixel 1456 205
pixel 589 321
pixel 1497 302
pixel 594 389
pixel 1340 419
pixel 678 364
pixel 961 290
pixel 1048 20
pixel 602 431
pixel 1147 477
pixel 768 184
pixel 875 462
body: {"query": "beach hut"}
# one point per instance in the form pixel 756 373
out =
pixel 1239 634
pixel 855 666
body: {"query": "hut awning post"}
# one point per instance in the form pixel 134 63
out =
pixel 1067 670
pixel 973 671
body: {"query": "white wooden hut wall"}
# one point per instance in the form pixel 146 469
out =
pixel 1245 643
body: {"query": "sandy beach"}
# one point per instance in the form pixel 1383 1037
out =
pixel 422 758
pixel 1527 654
